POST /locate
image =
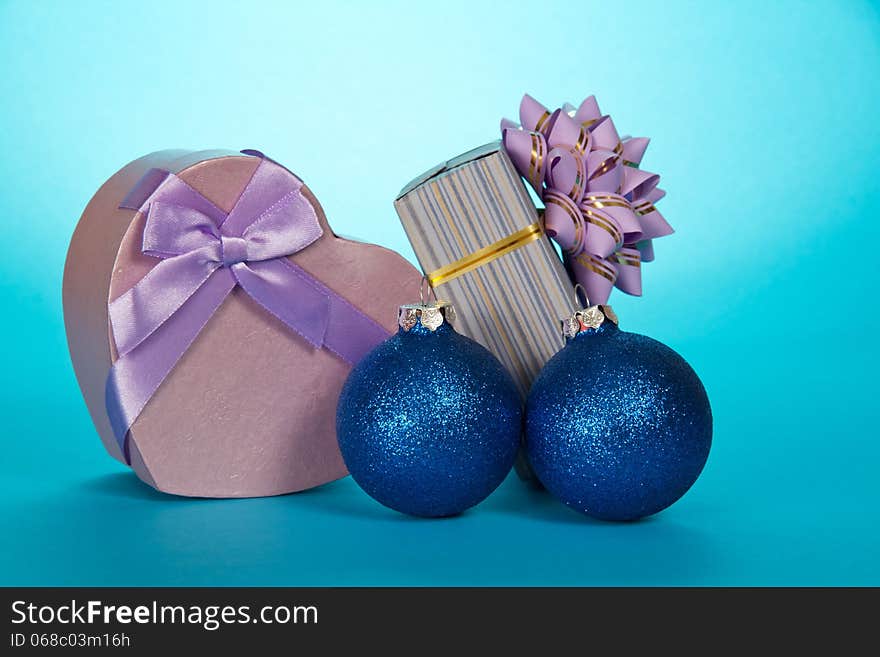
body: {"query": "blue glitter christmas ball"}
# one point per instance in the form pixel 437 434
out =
pixel 618 425
pixel 429 422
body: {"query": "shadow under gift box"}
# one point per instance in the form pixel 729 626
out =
pixel 249 409
pixel 480 241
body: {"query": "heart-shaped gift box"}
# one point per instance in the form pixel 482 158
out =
pixel 247 407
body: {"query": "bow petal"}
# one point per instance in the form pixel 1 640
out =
pixel 507 124
pixel 618 209
pixel 566 132
pixel 604 235
pixel 528 152
pixel 653 223
pixel 605 136
pixel 643 190
pixel 634 150
pixel 596 275
pixel 533 115
pixel 604 172
pixel 627 262
pixel 656 194
pixel 588 112
pixel 563 221
pixel 567 172
pixel 637 183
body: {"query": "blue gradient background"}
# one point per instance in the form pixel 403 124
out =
pixel 764 125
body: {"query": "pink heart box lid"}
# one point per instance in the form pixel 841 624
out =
pixel 252 420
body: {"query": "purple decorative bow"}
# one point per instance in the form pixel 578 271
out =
pixel 204 254
pixel 599 206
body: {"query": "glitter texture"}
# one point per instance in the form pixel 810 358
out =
pixel 429 422
pixel 618 425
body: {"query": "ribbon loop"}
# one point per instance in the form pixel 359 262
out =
pixel 172 230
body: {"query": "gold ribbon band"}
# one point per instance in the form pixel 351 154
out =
pixel 597 220
pixel 536 160
pixel 539 126
pixel 603 197
pixel 632 262
pixel 645 208
pixel 609 204
pixel 575 219
pixel 486 254
pixel 605 167
pixel 597 267
pixel 583 140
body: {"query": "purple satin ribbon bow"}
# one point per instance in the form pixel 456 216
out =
pixel 599 206
pixel 204 254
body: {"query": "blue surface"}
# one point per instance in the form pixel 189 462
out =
pixel 764 126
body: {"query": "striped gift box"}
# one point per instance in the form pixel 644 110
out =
pixel 479 239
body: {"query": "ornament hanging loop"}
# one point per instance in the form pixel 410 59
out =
pixel 425 283
pixel 577 296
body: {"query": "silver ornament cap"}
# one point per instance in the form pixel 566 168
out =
pixel 587 318
pixel 431 315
